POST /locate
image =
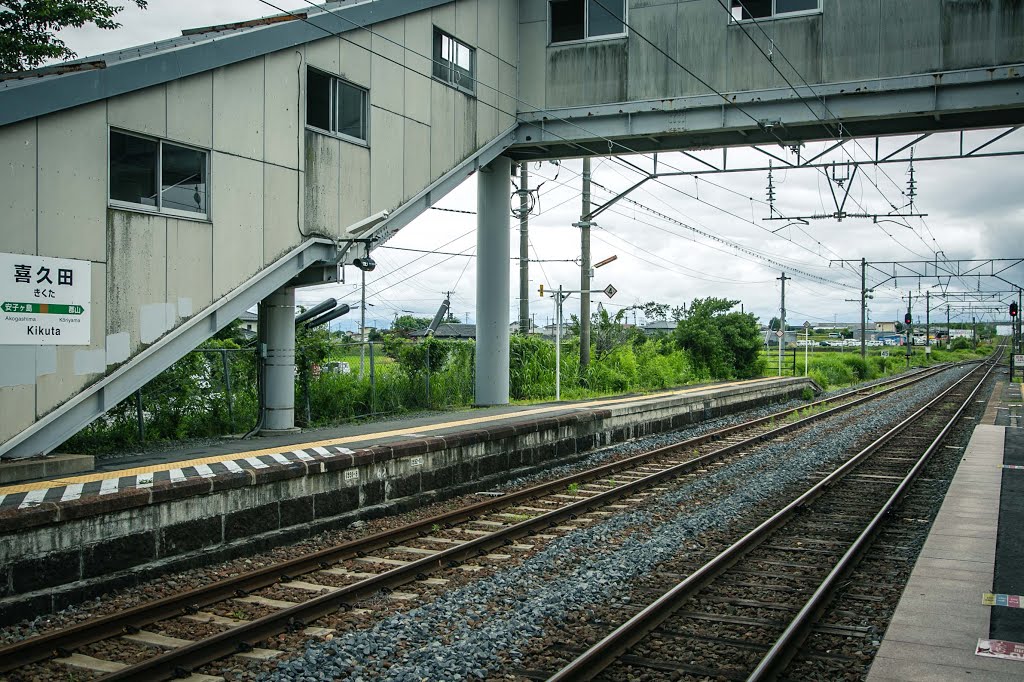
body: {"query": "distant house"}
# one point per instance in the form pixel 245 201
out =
pixel 656 327
pixel 885 327
pixel 248 326
pixel 449 330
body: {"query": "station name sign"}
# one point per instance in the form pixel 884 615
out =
pixel 44 301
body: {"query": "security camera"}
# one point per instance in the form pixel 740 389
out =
pixel 366 264
pixel 365 227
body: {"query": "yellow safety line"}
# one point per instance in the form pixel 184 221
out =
pixel 166 466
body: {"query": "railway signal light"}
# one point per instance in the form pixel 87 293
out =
pixel 541 291
pixel 1013 309
pixel 906 318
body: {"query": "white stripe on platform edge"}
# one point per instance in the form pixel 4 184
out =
pixel 108 486
pixel 72 492
pixel 144 480
pixel 302 455
pixel 256 463
pixel 346 451
pixel 279 458
pixel 324 451
pixel 204 470
pixel 176 475
pixel 33 498
pixel 232 466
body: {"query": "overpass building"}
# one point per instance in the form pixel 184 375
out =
pixel 187 180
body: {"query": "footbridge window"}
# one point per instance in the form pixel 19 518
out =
pixel 577 20
pixel 454 62
pixel 155 175
pixel 336 106
pixel 743 10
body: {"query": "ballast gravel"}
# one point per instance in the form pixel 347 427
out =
pixel 473 632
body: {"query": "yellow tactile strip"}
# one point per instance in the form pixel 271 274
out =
pixel 165 466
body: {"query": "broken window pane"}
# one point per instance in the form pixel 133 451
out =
pixel 133 163
pixel 567 20
pixel 606 18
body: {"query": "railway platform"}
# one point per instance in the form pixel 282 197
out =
pixel 961 610
pixel 66 538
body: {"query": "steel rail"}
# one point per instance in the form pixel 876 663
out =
pixel 789 642
pixel 596 659
pixel 42 647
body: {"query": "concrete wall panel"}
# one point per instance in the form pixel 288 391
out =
pixel 914 27
pixel 850 31
pixel 355 184
pixel 386 160
pixel 283 107
pixel 466 22
pixel 508 30
pixel 387 78
pixel 281 192
pixel 487 97
pixel 325 54
pixel 487 27
pixel 418 38
pixel 55 388
pixel 144 111
pixel 321 186
pixel 190 110
pixel 506 102
pixel 565 83
pixel 465 126
pixel 238 232
pixel 355 58
pixel 17 404
pixel 1008 38
pixel 18 188
pixel 967 34
pixel 189 264
pixel 532 66
pixel 443 16
pixel 442 125
pixel 238 124
pixel 136 276
pixel 650 73
pixel 697 21
pixel 417 163
pixel 534 10
pixel 73 180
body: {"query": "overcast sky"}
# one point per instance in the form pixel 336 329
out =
pixel 973 206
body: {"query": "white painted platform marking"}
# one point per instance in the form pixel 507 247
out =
pixel 204 470
pixel 72 492
pixel 109 486
pixel 232 466
pixel 176 475
pixel 256 463
pixel 279 458
pixel 33 498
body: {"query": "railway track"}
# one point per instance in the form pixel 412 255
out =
pixel 287 596
pixel 746 612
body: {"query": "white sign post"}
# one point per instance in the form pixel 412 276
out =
pixel 44 301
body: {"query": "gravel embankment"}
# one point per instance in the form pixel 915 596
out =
pixel 477 630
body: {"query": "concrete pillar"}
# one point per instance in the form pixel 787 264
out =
pixel 493 205
pixel 279 375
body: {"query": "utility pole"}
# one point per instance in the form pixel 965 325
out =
pixel 362 325
pixel 584 225
pixel 927 319
pixel 782 320
pixel 524 249
pixel 863 307
pixel 910 326
pixel 558 345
